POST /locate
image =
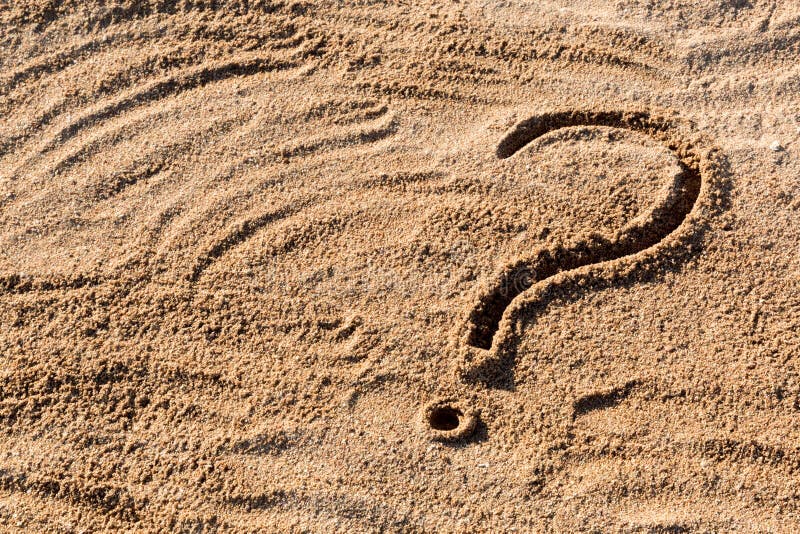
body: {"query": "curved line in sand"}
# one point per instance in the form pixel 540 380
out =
pixel 187 79
pixel 524 287
pixel 169 85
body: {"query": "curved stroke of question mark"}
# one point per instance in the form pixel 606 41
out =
pixel 522 289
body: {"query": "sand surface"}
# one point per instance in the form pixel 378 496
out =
pixel 459 266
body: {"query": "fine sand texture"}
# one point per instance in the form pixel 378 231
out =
pixel 464 266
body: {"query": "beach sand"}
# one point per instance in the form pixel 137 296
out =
pixel 403 267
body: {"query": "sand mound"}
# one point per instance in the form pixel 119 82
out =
pixel 276 266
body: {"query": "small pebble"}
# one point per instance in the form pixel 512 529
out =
pixel 483 465
pixel 775 146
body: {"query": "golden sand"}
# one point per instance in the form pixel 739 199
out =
pixel 400 267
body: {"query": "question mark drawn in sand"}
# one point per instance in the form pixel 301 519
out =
pixel 486 344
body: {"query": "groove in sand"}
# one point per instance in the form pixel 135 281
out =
pixel 533 280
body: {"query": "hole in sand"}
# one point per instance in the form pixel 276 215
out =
pixel 444 418
pixel 448 420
